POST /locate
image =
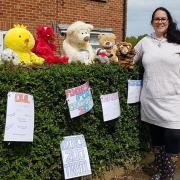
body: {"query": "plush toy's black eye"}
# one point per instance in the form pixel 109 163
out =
pixel 82 33
pixel 19 36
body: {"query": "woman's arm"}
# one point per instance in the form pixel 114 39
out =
pixel 139 52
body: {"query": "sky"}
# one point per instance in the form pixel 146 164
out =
pixel 139 14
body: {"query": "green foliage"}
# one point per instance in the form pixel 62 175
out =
pixel 134 40
pixel 109 143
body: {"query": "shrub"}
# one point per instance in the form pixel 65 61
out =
pixel 134 40
pixel 109 143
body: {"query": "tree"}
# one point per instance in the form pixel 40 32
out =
pixel 134 39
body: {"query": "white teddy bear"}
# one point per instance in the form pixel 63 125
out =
pixel 8 55
pixel 77 43
pixel 0 58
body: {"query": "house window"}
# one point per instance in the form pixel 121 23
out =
pixel 93 37
pixel 2 35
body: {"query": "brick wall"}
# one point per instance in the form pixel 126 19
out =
pixel 33 13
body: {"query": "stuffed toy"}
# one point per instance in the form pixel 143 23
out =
pixel 21 41
pixel 45 45
pixel 76 45
pixel 107 43
pixel 102 56
pixel 125 54
pixel 8 55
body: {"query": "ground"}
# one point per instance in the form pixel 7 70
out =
pixel 118 173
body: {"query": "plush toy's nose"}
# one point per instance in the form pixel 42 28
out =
pixel 125 51
pixel 107 43
pixel 86 38
pixel 26 41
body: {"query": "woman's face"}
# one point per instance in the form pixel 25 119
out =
pixel 160 23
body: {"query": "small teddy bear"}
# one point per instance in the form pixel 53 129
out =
pixel 102 56
pixel 8 55
pixel 125 53
pixel 107 43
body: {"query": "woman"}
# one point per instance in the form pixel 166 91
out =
pixel 160 95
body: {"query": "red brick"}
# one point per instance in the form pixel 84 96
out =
pixel 39 12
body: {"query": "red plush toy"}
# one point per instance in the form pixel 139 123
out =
pixel 45 45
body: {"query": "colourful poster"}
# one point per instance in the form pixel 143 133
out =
pixel 110 106
pixel 134 91
pixel 19 117
pixel 79 100
pixel 75 157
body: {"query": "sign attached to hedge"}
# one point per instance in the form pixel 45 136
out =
pixel 19 117
pixel 75 157
pixel 79 100
pixel 110 106
pixel 134 91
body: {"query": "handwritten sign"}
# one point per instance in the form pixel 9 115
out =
pixel 84 55
pixel 19 117
pixel 79 100
pixel 110 106
pixel 134 91
pixel 75 157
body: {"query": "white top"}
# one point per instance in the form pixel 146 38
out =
pixel 160 95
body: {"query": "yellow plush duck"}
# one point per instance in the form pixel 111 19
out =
pixel 20 40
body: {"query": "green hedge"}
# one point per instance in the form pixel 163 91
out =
pixel 109 143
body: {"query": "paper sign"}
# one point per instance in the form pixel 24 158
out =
pixel 134 90
pixel 79 100
pixel 75 157
pixel 19 117
pixel 85 55
pixel 110 106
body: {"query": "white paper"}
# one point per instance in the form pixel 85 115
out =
pixel 79 100
pixel 134 91
pixel 75 157
pixel 110 106
pixel 84 54
pixel 19 117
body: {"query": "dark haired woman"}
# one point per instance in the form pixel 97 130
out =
pixel 160 95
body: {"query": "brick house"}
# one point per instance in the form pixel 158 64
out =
pixel 105 15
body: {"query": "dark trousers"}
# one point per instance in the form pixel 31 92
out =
pixel 170 138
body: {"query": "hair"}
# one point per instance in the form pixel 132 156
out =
pixel 173 33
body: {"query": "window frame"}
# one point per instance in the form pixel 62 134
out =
pixel 2 34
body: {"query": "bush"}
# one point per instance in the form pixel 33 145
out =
pixel 134 40
pixel 109 143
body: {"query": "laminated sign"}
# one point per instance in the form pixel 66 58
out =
pixel 110 106
pixel 134 91
pixel 19 117
pixel 79 100
pixel 75 157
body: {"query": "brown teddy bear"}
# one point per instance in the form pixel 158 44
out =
pixel 125 53
pixel 107 42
